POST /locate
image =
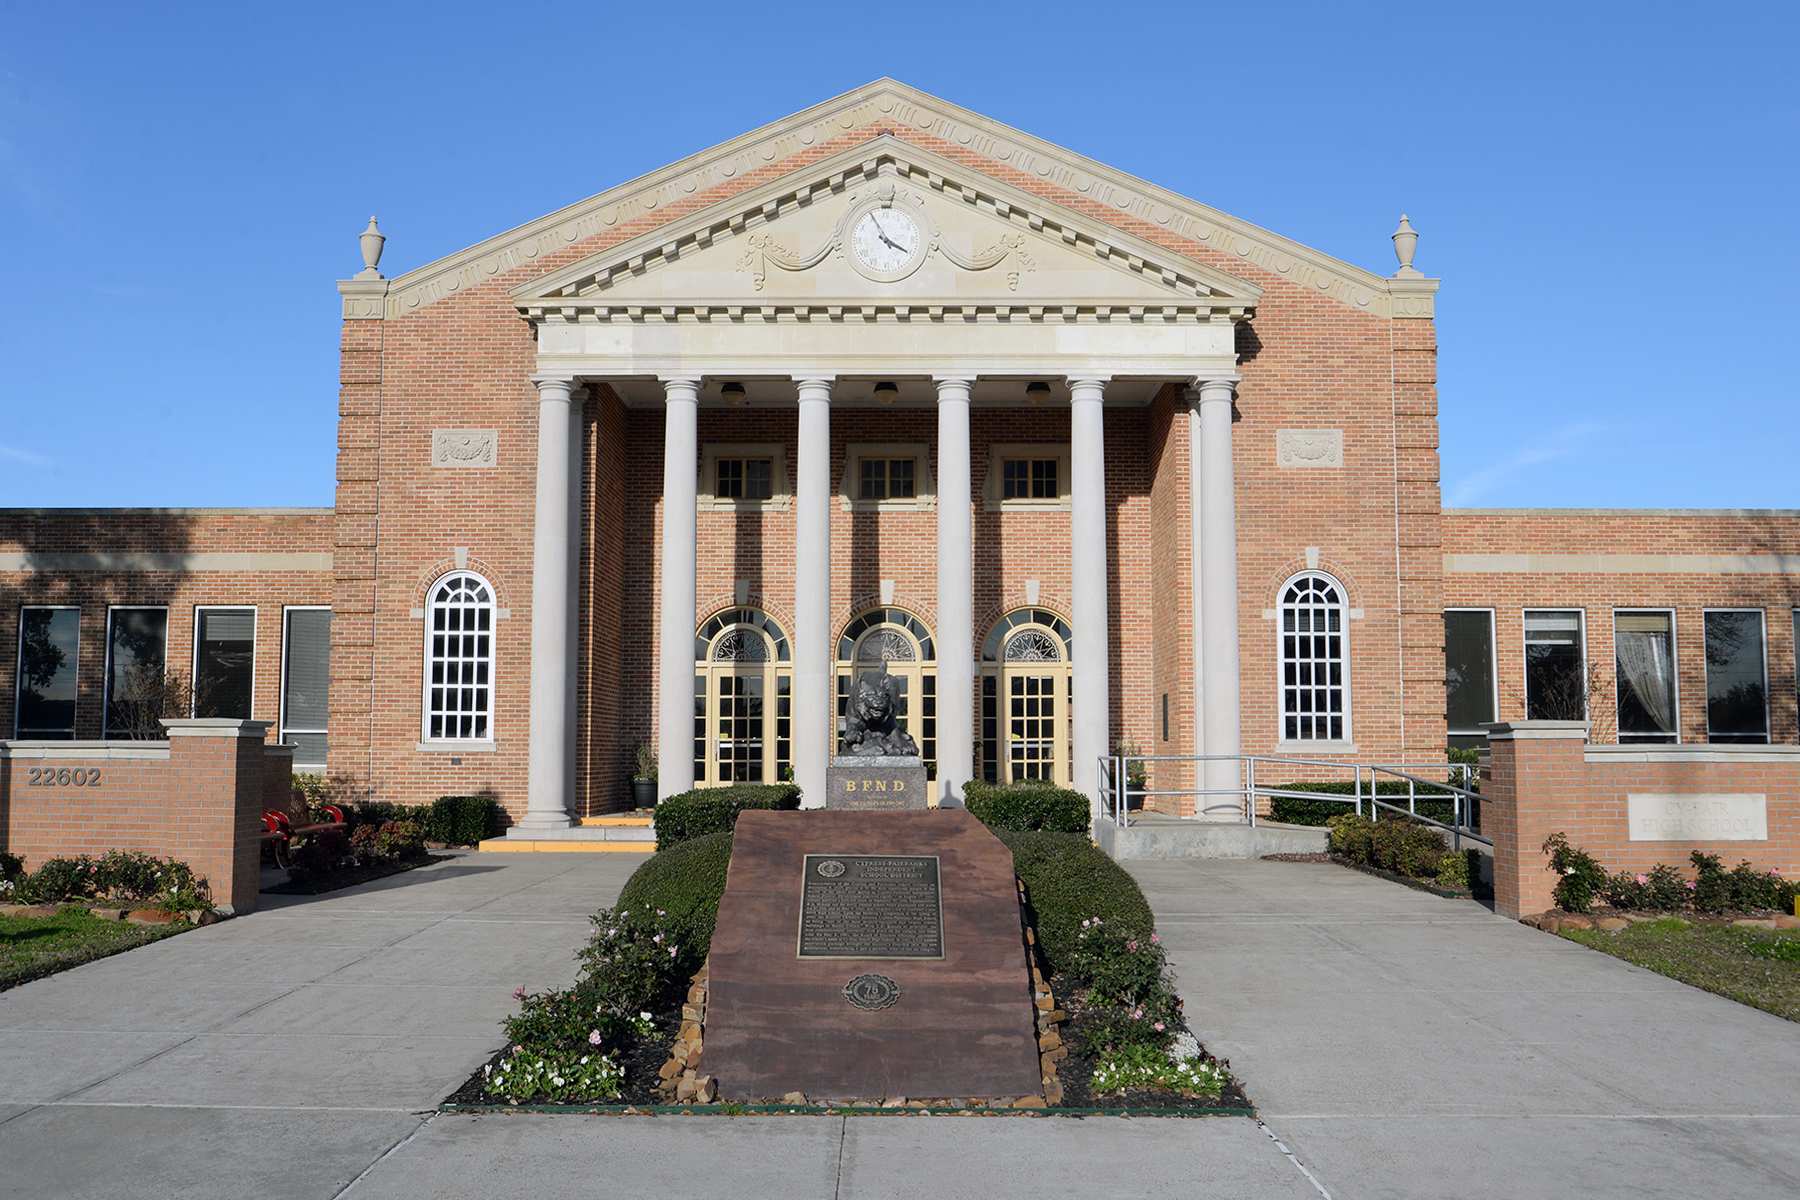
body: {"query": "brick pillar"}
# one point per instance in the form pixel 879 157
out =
pixel 219 779
pixel 1536 782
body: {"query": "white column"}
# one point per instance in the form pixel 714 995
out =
pixel 675 625
pixel 549 778
pixel 1195 576
pixel 1219 584
pixel 812 592
pixel 955 595
pixel 1092 699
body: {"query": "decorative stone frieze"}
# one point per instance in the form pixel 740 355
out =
pixel 1309 447
pixel 464 447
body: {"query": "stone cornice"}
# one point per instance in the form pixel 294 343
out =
pixel 887 103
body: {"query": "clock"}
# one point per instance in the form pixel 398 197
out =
pixel 886 243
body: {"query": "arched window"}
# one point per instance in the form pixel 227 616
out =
pixel 1025 665
pixel 1315 692
pixel 743 699
pixel 895 639
pixel 459 660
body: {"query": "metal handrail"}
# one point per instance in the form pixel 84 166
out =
pixel 1113 775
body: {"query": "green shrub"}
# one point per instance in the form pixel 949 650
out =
pixel 1350 836
pixel 12 871
pixel 375 812
pixel 685 881
pixel 1661 889
pixel 1133 1068
pixel 462 820
pixel 715 810
pixel 1454 870
pixel 1580 877
pixel 1029 804
pixel 120 876
pixel 635 962
pixel 1069 880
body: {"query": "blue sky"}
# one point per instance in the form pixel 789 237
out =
pixel 1607 191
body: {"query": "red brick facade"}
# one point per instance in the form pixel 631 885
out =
pixel 1310 359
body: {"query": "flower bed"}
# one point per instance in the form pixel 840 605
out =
pixel 630 1032
pixel 117 879
pixel 372 849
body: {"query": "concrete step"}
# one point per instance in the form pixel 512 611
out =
pixel 627 834
pixel 1153 836
pixel 543 845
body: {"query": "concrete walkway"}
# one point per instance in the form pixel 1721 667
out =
pixel 1402 1045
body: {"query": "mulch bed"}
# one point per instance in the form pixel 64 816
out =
pixel 349 877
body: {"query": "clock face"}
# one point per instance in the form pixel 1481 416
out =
pixel 886 241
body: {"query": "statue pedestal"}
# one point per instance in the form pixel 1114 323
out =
pixel 875 783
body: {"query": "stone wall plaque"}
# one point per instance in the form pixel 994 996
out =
pixel 1713 817
pixel 875 782
pixel 871 906
pixel 464 447
pixel 848 1029
pixel 1309 447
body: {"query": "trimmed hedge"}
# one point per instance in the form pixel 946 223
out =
pixel 685 881
pixel 1292 811
pixel 1027 805
pixel 715 810
pixel 462 820
pixel 1067 880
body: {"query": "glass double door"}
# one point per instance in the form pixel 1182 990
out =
pixel 747 727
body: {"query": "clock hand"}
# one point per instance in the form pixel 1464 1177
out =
pixel 881 231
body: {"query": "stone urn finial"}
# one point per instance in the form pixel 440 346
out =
pixel 1406 242
pixel 371 241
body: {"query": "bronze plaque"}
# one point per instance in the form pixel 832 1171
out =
pixel 871 906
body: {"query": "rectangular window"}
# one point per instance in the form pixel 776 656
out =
pixel 888 479
pixel 306 684
pixel 1470 698
pixel 224 662
pixel 746 479
pixel 1029 479
pixel 44 703
pixel 137 692
pixel 1555 666
pixel 1644 643
pixel 1737 681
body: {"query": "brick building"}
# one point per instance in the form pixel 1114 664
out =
pixel 887 382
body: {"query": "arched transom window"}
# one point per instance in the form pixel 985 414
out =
pixel 896 640
pixel 1025 664
pixel 459 660
pixel 1315 694
pixel 743 699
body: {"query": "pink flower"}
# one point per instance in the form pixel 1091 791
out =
pixel 1156 939
pixel 1643 879
pixel 1131 945
pixel 519 992
pixel 1084 924
pixel 594 1037
pixel 1137 1014
pixel 1158 1027
pixel 1690 885
pixel 657 939
pixel 671 952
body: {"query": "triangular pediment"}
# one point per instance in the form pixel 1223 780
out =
pixel 891 111
pixel 887 226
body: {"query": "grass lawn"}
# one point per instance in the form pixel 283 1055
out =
pixel 1758 967
pixel 31 947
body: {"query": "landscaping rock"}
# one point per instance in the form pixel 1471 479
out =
pixel 1030 1102
pixel 1787 922
pixel 669 1069
pixel 705 1088
pixel 108 914
pixel 1573 921
pixel 794 1098
pixel 151 916
pixel 1755 923
pixel 1611 924
pixel 1053 1090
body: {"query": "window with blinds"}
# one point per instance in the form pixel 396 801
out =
pixel 1555 665
pixel 306 684
pixel 224 662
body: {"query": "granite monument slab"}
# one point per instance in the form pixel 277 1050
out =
pixel 869 955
